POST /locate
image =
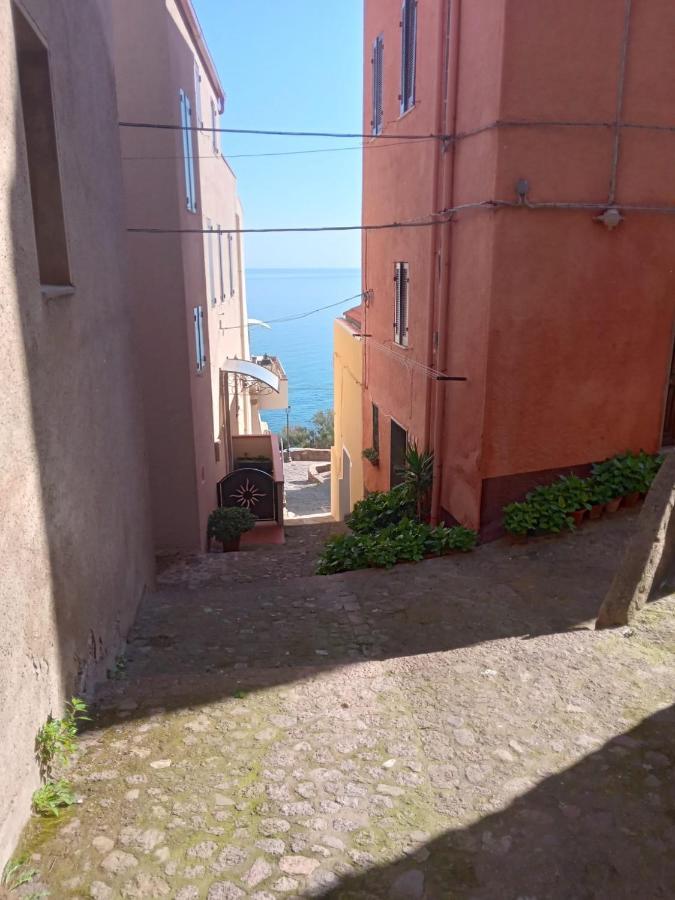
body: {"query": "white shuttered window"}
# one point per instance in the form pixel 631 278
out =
pixel 188 156
pixel 212 270
pixel 200 344
pixel 378 70
pixel 229 254
pixel 401 297
pixel 221 265
pixel 198 96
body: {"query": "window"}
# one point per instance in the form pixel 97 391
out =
pixel 401 290
pixel 378 63
pixel 200 346
pixel 198 96
pixel 42 154
pixel 188 156
pixel 376 429
pixel 408 52
pixel 215 137
pixel 221 267
pixel 212 271
pixel 229 254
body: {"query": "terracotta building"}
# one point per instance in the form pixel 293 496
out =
pixel 75 541
pixel 548 281
pixel 188 287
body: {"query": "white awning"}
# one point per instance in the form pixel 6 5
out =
pixel 252 370
pixel 258 322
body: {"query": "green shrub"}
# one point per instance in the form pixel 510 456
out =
pixel 371 454
pixel 52 797
pixel 627 473
pixel 405 541
pixel 548 508
pixel 56 738
pixel 227 523
pixel 380 510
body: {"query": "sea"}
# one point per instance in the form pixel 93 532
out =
pixel 304 345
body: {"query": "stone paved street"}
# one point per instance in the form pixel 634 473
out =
pixel 304 497
pixel 452 729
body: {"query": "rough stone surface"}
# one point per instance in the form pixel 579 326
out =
pixel 533 756
pixel 649 555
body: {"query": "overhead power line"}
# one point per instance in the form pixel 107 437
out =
pixel 283 152
pixel 324 134
pixel 302 315
pixel 312 228
pixel 412 223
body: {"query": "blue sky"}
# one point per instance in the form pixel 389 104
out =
pixel 292 66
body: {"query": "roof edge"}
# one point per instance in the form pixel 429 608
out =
pixel 190 16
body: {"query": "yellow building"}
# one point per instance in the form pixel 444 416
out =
pixel 346 461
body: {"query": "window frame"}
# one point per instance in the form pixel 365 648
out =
pixel 200 344
pixel 188 152
pixel 408 55
pixel 221 264
pixel 375 414
pixel 401 303
pixel 377 99
pixel 43 159
pixel 211 264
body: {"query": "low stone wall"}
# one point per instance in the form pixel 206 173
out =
pixel 310 454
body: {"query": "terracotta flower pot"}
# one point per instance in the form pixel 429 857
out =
pixel 578 515
pixel 613 505
pixel 231 546
pixel 596 511
pixel 518 538
pixel 631 499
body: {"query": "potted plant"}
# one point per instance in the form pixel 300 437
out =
pixel 371 454
pixel 600 494
pixel 227 524
pixel 520 521
pixel 575 493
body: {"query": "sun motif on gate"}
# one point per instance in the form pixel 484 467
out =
pixel 247 495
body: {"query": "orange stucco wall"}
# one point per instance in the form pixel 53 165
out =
pixel 562 328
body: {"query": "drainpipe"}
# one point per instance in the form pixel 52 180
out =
pixel 446 201
pixel 436 205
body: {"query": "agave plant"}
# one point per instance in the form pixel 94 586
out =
pixel 418 475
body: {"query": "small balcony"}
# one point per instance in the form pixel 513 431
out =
pixel 261 394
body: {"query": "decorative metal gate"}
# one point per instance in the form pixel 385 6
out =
pixel 250 489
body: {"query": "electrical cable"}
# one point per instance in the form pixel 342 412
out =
pixel 259 131
pixel 280 153
pixel 302 315
pixel 411 223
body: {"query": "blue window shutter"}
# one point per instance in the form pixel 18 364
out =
pixel 378 75
pixel 408 53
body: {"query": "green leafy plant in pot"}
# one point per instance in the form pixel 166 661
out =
pixel 227 524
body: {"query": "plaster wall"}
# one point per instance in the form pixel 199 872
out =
pixel 75 539
pixel 582 317
pixel 155 58
pixel 347 388
pixel 399 185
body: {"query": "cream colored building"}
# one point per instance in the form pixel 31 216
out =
pixel 346 459
pixel 188 287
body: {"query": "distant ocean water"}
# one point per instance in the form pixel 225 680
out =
pixel 305 346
